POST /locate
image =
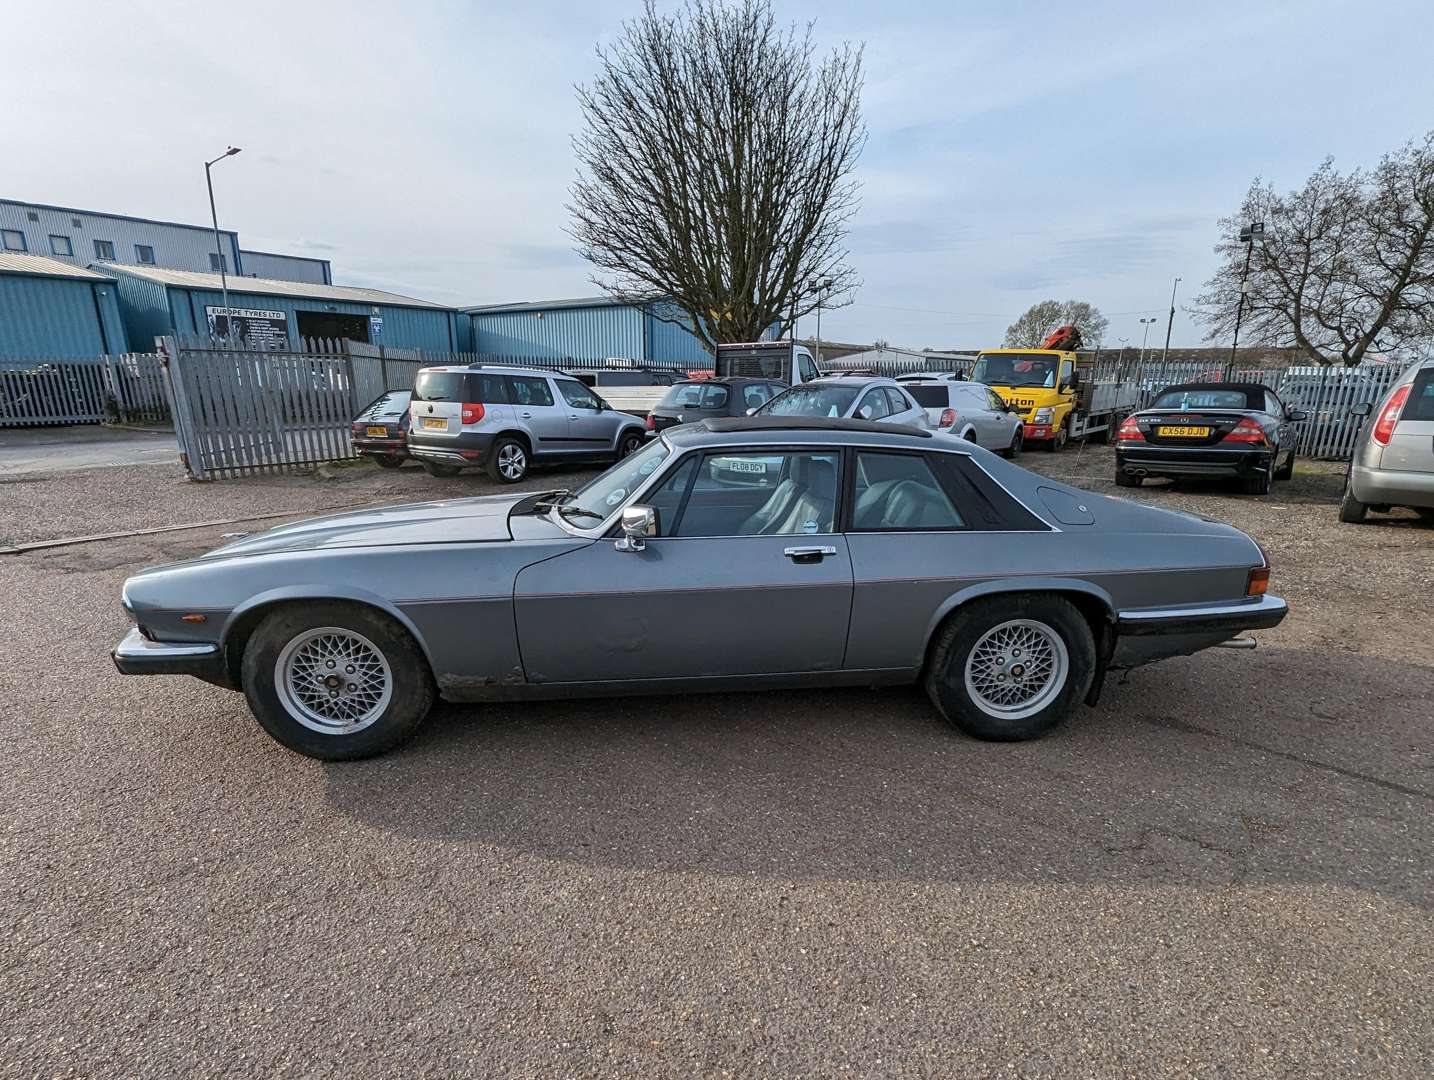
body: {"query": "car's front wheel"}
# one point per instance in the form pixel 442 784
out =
pixel 1009 668
pixel 336 681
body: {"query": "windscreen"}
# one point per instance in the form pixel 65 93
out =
pixel 393 403
pixel 1015 369
pixel 592 504
pixel 1202 399
pixel 936 396
pixel 811 399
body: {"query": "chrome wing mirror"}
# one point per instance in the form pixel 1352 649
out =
pixel 639 524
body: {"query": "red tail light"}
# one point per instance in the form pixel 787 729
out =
pixel 1246 431
pixel 948 417
pixel 1129 431
pixel 472 412
pixel 651 423
pixel 1384 426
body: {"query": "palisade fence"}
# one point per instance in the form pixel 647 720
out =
pixel 239 411
pixel 124 389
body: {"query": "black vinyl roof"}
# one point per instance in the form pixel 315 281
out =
pixel 1254 392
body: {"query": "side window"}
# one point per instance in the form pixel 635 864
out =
pixel 577 395
pixel 755 395
pixel 529 390
pixel 667 497
pixel 1273 405
pixel 873 406
pixel 762 493
pixel 899 491
pixel 488 389
pixel 714 397
pixel 995 401
pixel 1420 403
pixel 807 368
pixel 897 400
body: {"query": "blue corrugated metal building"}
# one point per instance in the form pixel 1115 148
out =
pixel 589 328
pixel 155 302
pixel 52 310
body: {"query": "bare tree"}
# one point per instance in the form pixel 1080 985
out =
pixel 1346 267
pixel 715 168
pixel 1036 324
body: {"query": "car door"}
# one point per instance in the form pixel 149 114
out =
pixel 996 424
pixel 748 576
pixel 536 407
pixel 592 427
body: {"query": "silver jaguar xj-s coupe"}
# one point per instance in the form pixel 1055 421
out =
pixel 729 554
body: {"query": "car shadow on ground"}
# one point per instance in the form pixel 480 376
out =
pixel 1195 772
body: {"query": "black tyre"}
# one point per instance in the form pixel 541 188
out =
pixel 1351 510
pixel 1287 470
pixel 1426 514
pixel 1124 479
pixel 387 461
pixel 1102 437
pixel 336 681
pixel 630 442
pixel 1018 443
pixel 508 461
pixel 436 468
pixel 1058 441
pixel 1259 484
pixel 1009 668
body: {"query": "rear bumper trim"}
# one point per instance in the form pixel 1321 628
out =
pixel 137 655
pixel 1257 613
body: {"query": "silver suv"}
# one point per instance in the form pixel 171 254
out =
pixel 508 418
pixel 1393 461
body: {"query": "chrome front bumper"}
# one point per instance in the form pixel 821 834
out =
pixel 137 655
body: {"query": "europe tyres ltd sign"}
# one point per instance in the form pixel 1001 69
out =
pixel 255 327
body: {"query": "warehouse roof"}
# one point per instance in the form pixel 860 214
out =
pixel 41 266
pixel 546 305
pixel 191 279
pixel 117 217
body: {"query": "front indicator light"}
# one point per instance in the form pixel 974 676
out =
pixel 194 618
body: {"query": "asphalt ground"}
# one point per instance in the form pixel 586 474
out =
pixel 1223 870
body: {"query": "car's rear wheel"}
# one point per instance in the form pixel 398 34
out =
pixel 1287 470
pixel 1018 443
pixel 1351 510
pixel 630 443
pixel 437 468
pixel 336 681
pixel 1259 484
pixel 387 461
pixel 1009 668
pixel 1426 514
pixel 508 462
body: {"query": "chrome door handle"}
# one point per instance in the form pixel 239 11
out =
pixel 526 415
pixel 808 554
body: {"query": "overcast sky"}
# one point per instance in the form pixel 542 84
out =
pixel 1016 152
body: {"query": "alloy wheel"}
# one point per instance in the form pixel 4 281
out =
pixel 333 680
pixel 1016 668
pixel 512 462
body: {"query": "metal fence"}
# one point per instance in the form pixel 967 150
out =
pixel 124 389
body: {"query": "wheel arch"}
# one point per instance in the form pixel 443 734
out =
pixel 516 433
pixel 1094 603
pixel 243 620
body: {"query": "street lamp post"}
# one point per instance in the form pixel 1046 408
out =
pixel 822 290
pixel 1144 336
pixel 1248 236
pixel 218 249
pixel 1170 325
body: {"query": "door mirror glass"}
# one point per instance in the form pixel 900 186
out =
pixel 639 524
pixel 1298 415
pixel 1364 408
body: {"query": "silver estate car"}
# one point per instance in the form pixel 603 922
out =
pixel 506 419
pixel 1393 463
pixel 973 411
pixel 869 555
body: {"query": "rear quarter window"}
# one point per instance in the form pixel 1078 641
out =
pixel 934 396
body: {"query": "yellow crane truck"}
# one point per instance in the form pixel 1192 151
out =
pixel 1055 392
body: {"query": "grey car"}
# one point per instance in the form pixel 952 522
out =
pixel 971 411
pixel 506 419
pixel 858 397
pixel 871 555
pixel 1393 463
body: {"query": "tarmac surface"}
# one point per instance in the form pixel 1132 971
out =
pixel 1226 869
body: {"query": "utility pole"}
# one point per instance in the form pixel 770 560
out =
pixel 1170 325
pixel 218 249
pixel 1248 235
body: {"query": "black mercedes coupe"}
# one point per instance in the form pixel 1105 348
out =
pixel 1242 431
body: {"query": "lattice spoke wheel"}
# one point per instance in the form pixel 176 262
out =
pixel 333 680
pixel 1016 669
